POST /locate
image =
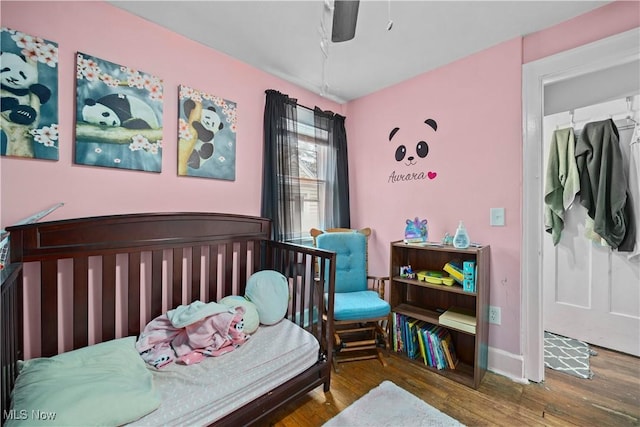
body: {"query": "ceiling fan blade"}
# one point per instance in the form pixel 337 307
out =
pixel 345 16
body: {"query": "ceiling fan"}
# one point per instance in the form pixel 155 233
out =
pixel 345 16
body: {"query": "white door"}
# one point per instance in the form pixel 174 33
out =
pixel 537 76
pixel 590 292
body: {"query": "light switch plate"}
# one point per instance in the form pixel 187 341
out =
pixel 497 217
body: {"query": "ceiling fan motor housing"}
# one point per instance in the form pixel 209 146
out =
pixel 345 16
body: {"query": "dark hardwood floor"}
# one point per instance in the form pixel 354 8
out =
pixel 611 398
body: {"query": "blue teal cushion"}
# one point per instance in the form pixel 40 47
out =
pixel 351 259
pixel 358 305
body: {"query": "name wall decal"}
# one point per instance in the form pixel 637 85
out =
pixel 409 160
pixel 412 176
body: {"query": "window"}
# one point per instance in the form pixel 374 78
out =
pixel 311 158
pixel 305 170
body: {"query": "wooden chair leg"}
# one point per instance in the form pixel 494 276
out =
pixel 361 341
pixel 381 358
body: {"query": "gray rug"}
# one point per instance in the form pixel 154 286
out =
pixel 391 406
pixel 567 355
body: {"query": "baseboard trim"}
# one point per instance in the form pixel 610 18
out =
pixel 507 364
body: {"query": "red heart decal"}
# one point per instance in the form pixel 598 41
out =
pixel 431 175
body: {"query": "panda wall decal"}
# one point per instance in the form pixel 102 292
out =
pixel 119 116
pixel 410 154
pixel 207 128
pixel 28 96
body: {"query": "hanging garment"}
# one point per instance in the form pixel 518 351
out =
pixel 634 186
pixel 562 181
pixel 603 184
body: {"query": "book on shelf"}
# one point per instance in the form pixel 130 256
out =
pixel 442 333
pixel 397 332
pixel 418 339
pixel 413 349
pixel 429 344
pixel 433 345
pixel 394 334
pixel 459 318
pixel 449 351
pixel 422 347
pixel 405 335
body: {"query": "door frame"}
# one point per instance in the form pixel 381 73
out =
pixel 606 53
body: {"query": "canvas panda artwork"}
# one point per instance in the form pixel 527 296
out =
pixel 207 135
pixel 119 116
pixel 28 96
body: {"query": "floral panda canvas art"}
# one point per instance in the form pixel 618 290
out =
pixel 207 135
pixel 28 96
pixel 119 116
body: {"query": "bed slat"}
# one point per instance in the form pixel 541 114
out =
pixel 213 272
pixel 195 274
pixel 228 269
pixel 11 331
pixel 49 301
pixel 133 294
pixel 242 266
pixel 80 302
pixel 176 298
pixel 156 283
pixel 108 297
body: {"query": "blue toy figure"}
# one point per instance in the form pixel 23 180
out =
pixel 415 231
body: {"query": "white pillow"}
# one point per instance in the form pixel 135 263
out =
pixel 269 291
pixel 103 384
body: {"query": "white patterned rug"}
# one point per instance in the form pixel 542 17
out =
pixel 390 405
pixel 567 355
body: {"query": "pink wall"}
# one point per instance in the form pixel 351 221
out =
pixel 611 19
pixel 476 152
pixel 102 30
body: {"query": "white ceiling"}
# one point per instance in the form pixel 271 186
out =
pixel 283 37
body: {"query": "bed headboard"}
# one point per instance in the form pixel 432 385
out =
pixel 88 280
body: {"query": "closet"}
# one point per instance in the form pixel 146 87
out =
pixel 570 72
pixel 591 292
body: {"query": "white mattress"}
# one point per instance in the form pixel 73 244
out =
pixel 203 393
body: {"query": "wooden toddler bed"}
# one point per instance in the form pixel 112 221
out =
pixel 90 280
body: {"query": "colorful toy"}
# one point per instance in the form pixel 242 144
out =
pixel 406 272
pixel 416 231
pixel 469 272
pixel 434 277
pixel 454 271
pixel 447 239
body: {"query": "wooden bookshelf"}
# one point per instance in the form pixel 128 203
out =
pixel 426 301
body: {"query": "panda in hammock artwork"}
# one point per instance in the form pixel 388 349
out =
pixel 119 116
pixel 207 128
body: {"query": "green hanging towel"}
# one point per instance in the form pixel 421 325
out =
pixel 562 181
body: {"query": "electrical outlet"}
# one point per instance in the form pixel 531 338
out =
pixel 494 315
